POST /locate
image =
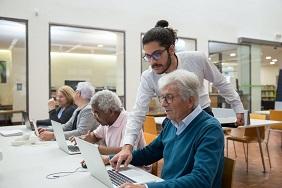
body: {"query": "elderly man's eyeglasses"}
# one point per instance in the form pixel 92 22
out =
pixel 167 98
pixel 155 55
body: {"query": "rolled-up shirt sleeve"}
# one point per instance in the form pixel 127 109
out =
pixel 136 117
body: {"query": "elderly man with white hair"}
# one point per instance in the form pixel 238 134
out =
pixel 108 111
pixel 82 119
pixel 191 142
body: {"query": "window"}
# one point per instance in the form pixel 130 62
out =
pixel 233 60
pixel 87 54
pixel 13 69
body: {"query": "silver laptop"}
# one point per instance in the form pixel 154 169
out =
pixel 109 177
pixel 28 124
pixel 61 140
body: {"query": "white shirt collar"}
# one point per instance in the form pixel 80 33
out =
pixel 181 126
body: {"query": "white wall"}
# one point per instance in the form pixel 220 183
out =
pixel 100 70
pixel 269 75
pixel 205 20
pixel 18 76
pixel 6 88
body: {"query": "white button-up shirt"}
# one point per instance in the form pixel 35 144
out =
pixel 195 62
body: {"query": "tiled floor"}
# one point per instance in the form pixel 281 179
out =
pixel 255 176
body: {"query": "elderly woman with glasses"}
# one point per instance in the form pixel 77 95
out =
pixel 82 119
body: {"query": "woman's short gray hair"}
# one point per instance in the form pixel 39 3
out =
pixel 187 83
pixel 86 90
pixel 106 100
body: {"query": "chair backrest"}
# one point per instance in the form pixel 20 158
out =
pixel 227 176
pixel 149 137
pixel 252 132
pixel 275 115
pixel 257 116
pixel 150 125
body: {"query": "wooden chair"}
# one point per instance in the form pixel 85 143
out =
pixel 277 116
pixel 227 176
pixel 247 136
pixel 257 116
pixel 150 133
pixel 150 125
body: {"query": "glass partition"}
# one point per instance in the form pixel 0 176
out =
pixel 233 60
pixel 87 54
pixel 13 70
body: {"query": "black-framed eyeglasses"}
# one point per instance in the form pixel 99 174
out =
pixel 156 55
pixel 167 98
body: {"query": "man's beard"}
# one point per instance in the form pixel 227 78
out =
pixel 167 64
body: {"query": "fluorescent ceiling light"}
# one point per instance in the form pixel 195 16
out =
pixel 100 45
pixel 272 63
pixel 268 57
pixel 274 60
pixel 232 54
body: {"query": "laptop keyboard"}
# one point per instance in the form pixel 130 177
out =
pixel 118 178
pixel 73 148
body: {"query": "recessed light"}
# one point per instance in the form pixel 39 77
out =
pixel 272 63
pixel 268 57
pixel 100 45
pixel 232 54
pixel 209 58
pixel 274 60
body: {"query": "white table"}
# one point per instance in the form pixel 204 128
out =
pixel 263 112
pixel 27 166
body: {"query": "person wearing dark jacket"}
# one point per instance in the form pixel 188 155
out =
pixel 65 107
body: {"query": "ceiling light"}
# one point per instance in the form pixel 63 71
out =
pixel 232 54
pixel 268 57
pixel 100 45
pixel 274 60
pixel 272 63
pixel 209 58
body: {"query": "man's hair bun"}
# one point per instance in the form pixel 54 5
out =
pixel 162 23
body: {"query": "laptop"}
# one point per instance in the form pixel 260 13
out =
pixel 61 140
pixel 108 176
pixel 28 124
pixel 227 122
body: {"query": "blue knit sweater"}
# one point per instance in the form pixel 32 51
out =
pixel 193 159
